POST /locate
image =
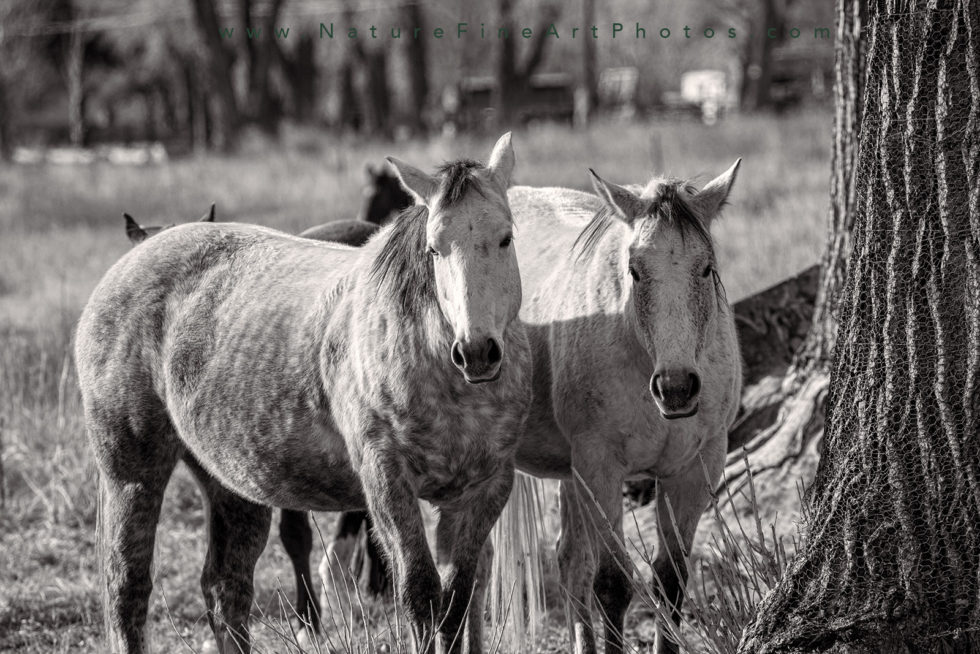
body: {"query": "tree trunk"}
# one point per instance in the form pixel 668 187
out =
pixel 757 76
pixel 74 73
pixel 6 147
pixel 589 83
pixel 262 107
pixel 223 108
pixel 418 66
pixel 512 79
pixel 376 99
pixel 303 76
pixel 197 130
pixel 891 556
pixel 848 88
pixel 507 77
pixel 351 113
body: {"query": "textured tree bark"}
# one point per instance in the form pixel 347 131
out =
pixel 849 83
pixel 890 561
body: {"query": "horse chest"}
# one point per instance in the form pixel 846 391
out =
pixel 450 448
pixel 446 437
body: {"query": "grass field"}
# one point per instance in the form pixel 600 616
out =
pixel 61 228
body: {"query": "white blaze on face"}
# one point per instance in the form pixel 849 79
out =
pixel 477 277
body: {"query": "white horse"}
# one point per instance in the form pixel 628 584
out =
pixel 637 374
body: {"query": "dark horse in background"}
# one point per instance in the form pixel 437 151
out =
pixel 384 198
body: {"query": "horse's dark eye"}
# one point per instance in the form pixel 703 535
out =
pixel 634 274
pixel 707 270
pixel 506 242
pixel 434 252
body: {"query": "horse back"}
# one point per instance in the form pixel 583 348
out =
pixel 213 326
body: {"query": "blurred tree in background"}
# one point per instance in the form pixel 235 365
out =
pixel 85 71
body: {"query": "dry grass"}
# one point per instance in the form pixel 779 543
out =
pixel 61 228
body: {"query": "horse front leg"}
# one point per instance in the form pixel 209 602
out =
pixel 591 557
pixel 681 500
pixel 398 521
pixel 464 555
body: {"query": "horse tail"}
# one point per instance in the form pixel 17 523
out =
pixel 517 598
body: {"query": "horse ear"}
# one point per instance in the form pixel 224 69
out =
pixel 712 197
pixel 135 233
pixel 209 216
pixel 625 204
pixel 501 163
pixel 420 185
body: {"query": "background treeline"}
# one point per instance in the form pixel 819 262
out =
pixel 85 71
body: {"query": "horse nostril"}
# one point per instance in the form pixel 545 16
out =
pixel 695 387
pixel 656 388
pixel 494 353
pixel 457 355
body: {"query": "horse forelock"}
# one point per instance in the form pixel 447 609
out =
pixel 457 178
pixel 666 204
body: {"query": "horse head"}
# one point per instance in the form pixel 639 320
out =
pixel 675 289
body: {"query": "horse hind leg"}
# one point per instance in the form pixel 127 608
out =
pixel 237 533
pixel 135 467
pixel 297 539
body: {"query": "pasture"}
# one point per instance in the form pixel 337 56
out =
pixel 61 227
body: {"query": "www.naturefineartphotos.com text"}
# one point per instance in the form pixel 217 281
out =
pixel 466 30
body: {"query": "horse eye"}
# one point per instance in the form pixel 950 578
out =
pixel 506 242
pixel 434 252
pixel 634 274
pixel 707 270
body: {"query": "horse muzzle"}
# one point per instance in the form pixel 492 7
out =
pixel 479 360
pixel 676 392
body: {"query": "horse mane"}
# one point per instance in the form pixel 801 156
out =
pixel 667 205
pixel 402 269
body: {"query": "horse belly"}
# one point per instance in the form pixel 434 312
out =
pixel 304 470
